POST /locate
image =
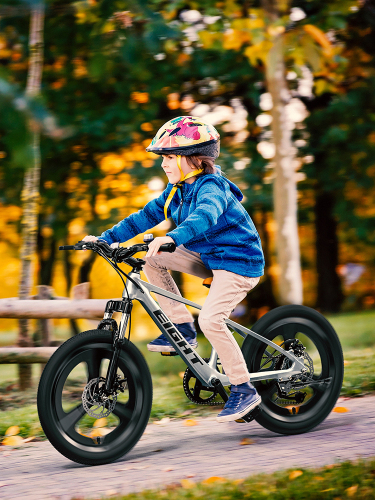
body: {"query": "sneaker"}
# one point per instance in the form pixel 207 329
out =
pixel 242 399
pixel 161 344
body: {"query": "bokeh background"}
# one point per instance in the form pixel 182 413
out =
pixel 113 72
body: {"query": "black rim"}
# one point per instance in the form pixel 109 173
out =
pixel 93 358
pixel 318 347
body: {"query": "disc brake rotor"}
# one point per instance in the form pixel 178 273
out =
pixel 95 402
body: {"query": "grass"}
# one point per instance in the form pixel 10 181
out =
pixel 333 482
pixel 355 330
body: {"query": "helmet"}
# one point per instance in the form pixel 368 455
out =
pixel 186 135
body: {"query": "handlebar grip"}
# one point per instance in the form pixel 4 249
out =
pixel 67 247
pixel 168 247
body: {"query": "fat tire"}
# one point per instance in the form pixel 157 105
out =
pixel 269 326
pixel 82 450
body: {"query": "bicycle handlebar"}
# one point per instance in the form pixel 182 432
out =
pixel 120 253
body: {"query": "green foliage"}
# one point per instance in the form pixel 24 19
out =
pixel 341 480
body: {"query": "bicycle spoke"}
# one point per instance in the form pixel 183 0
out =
pixel 71 418
pixel 319 389
pixel 266 391
pixel 289 331
pixel 93 361
pixel 123 412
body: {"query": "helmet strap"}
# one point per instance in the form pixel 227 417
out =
pixel 175 186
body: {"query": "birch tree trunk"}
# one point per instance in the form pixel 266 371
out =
pixel 30 192
pixel 285 188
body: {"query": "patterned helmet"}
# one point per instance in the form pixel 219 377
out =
pixel 186 135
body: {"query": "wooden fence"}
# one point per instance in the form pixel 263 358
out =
pixel 45 307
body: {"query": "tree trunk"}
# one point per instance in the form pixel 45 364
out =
pixel 262 296
pixel 285 189
pixel 46 263
pixel 330 296
pixel 30 193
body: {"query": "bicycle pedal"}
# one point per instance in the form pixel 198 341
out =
pixel 249 417
pixel 173 353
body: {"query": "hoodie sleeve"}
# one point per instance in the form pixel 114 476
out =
pixel 211 203
pixel 151 215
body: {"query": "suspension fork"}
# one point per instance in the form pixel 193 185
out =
pixel 125 306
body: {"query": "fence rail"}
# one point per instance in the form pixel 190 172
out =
pixel 45 306
pixel 25 355
pixel 52 309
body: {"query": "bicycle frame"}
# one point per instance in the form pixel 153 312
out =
pixel 205 371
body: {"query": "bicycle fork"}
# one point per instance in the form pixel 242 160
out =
pixel 125 307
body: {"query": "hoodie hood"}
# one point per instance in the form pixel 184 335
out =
pixel 235 189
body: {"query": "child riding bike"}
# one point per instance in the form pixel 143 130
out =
pixel 215 238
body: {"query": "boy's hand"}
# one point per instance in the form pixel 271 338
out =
pixel 90 238
pixel 156 244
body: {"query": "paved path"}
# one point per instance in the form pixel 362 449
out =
pixel 170 452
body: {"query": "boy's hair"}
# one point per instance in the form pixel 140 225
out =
pixel 208 163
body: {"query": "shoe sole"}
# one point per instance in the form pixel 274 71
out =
pixel 235 416
pixel 161 348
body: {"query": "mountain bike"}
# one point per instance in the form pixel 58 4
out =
pixel 293 355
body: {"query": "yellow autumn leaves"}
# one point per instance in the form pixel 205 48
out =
pixel 256 37
pixel 13 439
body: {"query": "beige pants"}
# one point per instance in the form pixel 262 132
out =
pixel 227 290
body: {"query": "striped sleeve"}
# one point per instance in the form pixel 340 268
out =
pixel 211 203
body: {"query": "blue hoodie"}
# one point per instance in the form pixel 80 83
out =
pixel 210 220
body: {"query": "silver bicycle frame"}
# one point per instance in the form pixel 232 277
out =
pixel 205 372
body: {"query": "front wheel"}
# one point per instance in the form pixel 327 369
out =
pixel 310 397
pixel 71 381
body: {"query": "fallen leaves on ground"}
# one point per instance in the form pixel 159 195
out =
pixel 12 431
pixel 340 409
pixel 100 422
pixel 163 421
pixel 214 479
pixel 187 484
pixel 295 473
pixel 13 441
pixel 352 490
pixel 12 438
pixel 246 441
pixel 190 422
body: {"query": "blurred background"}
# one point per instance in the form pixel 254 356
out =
pixel 84 87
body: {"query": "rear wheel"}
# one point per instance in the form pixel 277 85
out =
pixel 71 385
pixel 310 398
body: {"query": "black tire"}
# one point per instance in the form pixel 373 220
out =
pixel 84 357
pixel 322 344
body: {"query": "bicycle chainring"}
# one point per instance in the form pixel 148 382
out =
pixel 195 394
pixel 95 402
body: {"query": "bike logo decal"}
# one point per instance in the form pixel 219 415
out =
pixel 176 335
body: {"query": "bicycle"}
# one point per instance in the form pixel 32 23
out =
pixel 101 374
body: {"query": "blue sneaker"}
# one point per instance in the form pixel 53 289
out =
pixel 242 399
pixel 161 344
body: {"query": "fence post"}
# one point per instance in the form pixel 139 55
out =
pixel 45 292
pixel 45 325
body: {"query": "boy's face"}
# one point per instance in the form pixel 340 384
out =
pixel 171 169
